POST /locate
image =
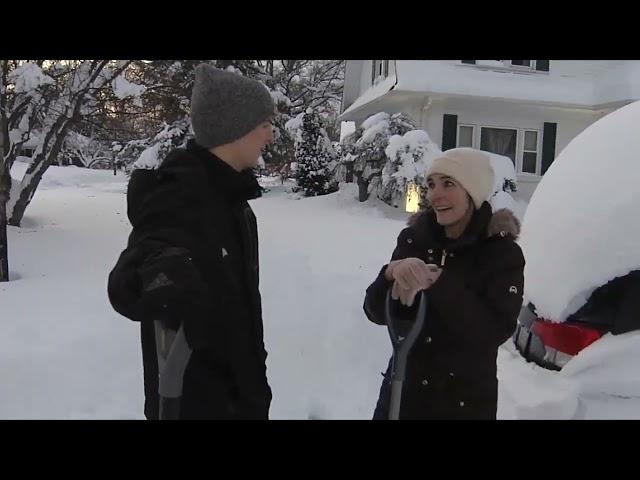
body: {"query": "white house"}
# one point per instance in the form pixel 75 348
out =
pixel 528 110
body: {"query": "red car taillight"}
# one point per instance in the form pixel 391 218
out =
pixel 568 338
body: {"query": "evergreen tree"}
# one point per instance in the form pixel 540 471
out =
pixel 315 157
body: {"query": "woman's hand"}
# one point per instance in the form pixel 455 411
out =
pixel 411 275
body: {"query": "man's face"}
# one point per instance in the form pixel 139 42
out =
pixel 247 150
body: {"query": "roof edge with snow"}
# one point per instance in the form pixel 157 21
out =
pixel 373 93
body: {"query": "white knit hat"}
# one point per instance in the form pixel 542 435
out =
pixel 471 168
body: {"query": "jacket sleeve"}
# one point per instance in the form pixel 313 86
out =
pixel 486 320
pixel 168 216
pixel 163 279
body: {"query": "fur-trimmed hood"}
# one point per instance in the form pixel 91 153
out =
pixel 503 222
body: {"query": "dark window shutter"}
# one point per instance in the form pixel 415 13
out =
pixel 548 145
pixel 470 62
pixel 542 65
pixel 449 131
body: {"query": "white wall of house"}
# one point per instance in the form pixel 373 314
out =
pixel 490 113
pixel 366 75
pixel 352 88
pixel 578 83
pixel 415 111
pixel 428 112
pixel 591 68
pixel 577 68
pixel 573 94
pixel 568 83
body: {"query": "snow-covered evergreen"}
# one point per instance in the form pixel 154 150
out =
pixel 315 157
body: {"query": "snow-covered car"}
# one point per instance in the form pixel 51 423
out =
pixel 581 315
pixel 612 308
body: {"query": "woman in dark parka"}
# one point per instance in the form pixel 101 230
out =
pixel 464 256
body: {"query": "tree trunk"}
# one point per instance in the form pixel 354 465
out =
pixel 34 173
pixel 16 207
pixel 42 162
pixel 22 203
pixel 5 180
pixel 363 189
pixel 4 248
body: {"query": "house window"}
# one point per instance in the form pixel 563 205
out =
pixel 536 65
pixel 26 152
pixel 466 133
pixel 522 146
pixel 530 152
pixel 379 69
pixel 502 141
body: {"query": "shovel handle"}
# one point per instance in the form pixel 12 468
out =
pixel 401 348
pixel 174 354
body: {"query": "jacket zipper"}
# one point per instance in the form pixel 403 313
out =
pixel 444 257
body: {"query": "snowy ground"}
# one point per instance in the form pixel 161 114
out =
pixel 64 353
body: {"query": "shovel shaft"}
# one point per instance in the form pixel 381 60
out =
pixel 402 344
pixel 396 397
pixel 174 354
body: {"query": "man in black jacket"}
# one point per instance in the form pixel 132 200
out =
pixel 191 262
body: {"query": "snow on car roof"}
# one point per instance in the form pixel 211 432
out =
pixel 582 226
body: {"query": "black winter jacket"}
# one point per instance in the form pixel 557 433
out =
pixel 192 259
pixel 472 310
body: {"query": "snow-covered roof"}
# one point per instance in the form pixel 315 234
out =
pixel 372 93
pixel 580 228
pixel 612 84
pixel 450 78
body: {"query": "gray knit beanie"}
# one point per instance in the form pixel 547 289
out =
pixel 226 106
